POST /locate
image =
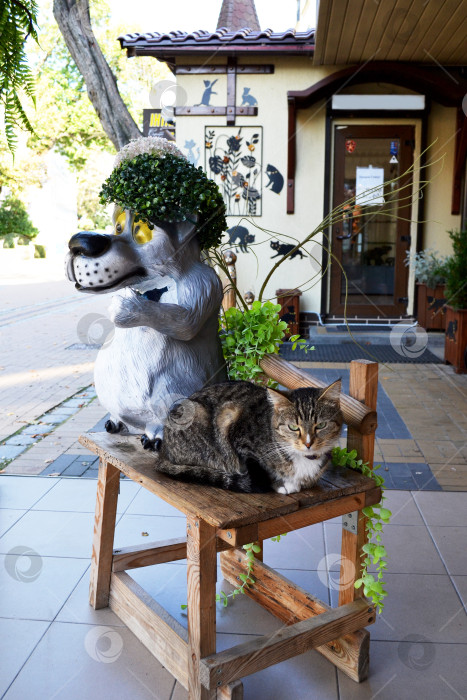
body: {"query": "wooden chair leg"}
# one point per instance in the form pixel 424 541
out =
pixel 201 579
pixel 103 538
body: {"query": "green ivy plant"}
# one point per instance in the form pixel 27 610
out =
pixel 374 551
pixel 167 188
pixel 247 336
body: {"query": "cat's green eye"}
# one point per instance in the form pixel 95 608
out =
pixel 320 426
pixel 294 427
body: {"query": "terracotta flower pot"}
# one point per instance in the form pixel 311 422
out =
pixel 431 307
pixel 455 347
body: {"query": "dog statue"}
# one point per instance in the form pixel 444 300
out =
pixel 165 311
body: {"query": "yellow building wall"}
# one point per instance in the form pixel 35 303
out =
pixel 270 91
pixel 441 154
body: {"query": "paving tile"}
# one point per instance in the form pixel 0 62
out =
pixel 443 508
pixel 130 528
pixel 22 492
pixel 8 517
pixel 451 544
pixel 403 508
pixel 10 451
pixel 409 595
pixel 410 548
pixel 79 495
pixel 91 661
pixel 147 503
pixel 78 610
pixel 36 587
pixel 460 582
pixel 21 439
pixel 59 464
pixel 17 641
pixel 300 549
pixel 54 534
pixel 79 466
pixel 413 668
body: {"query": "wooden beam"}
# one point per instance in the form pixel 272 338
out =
pixel 203 110
pixel 291 603
pixel 152 553
pixel 147 555
pixel 218 70
pixel 201 580
pixel 231 89
pixel 108 483
pixel 291 154
pixel 300 518
pixel 361 418
pixel 459 161
pixel 364 388
pixel 165 638
pixel 259 653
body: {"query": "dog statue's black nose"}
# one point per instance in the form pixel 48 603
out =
pixel 90 244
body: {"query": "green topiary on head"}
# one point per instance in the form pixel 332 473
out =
pixel 152 177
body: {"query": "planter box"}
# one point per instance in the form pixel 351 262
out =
pixel 455 347
pixel 289 300
pixel 431 307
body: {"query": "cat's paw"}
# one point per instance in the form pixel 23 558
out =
pixel 288 487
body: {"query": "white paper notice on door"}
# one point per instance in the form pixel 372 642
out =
pixel 369 179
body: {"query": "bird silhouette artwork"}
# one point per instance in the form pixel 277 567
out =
pixel 208 91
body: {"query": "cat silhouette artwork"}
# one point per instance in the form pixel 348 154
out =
pixel 276 179
pixel 208 91
pixel 248 99
pixel 284 248
pixel 191 155
pixel 239 235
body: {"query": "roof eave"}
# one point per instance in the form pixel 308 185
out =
pixel 162 52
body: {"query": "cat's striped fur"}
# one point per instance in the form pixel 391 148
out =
pixel 244 437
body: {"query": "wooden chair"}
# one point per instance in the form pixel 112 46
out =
pixel 217 521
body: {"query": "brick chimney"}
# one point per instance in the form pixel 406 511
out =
pixel 238 14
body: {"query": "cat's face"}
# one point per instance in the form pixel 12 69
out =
pixel 309 421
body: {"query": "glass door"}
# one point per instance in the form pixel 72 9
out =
pixel 372 240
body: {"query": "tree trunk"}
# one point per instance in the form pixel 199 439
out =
pixel 74 21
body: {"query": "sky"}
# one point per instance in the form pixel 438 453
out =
pixel 189 15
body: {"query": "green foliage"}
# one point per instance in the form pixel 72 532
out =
pixel 168 189
pixel 374 552
pixel 39 251
pixel 429 267
pixel 17 22
pixel 456 278
pixel 14 220
pixel 248 335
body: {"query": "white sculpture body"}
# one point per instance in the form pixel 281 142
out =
pixel 166 343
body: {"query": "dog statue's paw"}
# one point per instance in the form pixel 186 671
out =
pixel 126 308
pixel 153 445
pixel 112 427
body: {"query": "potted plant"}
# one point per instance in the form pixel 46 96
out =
pixel 455 348
pixel 430 275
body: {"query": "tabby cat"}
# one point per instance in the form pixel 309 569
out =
pixel 244 437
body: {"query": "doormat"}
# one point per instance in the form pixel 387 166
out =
pixel 346 352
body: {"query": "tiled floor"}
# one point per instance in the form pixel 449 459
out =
pixel 53 645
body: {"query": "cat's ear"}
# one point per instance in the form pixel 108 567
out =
pixel 332 392
pixel 278 400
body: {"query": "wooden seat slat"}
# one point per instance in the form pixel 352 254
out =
pixel 220 508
